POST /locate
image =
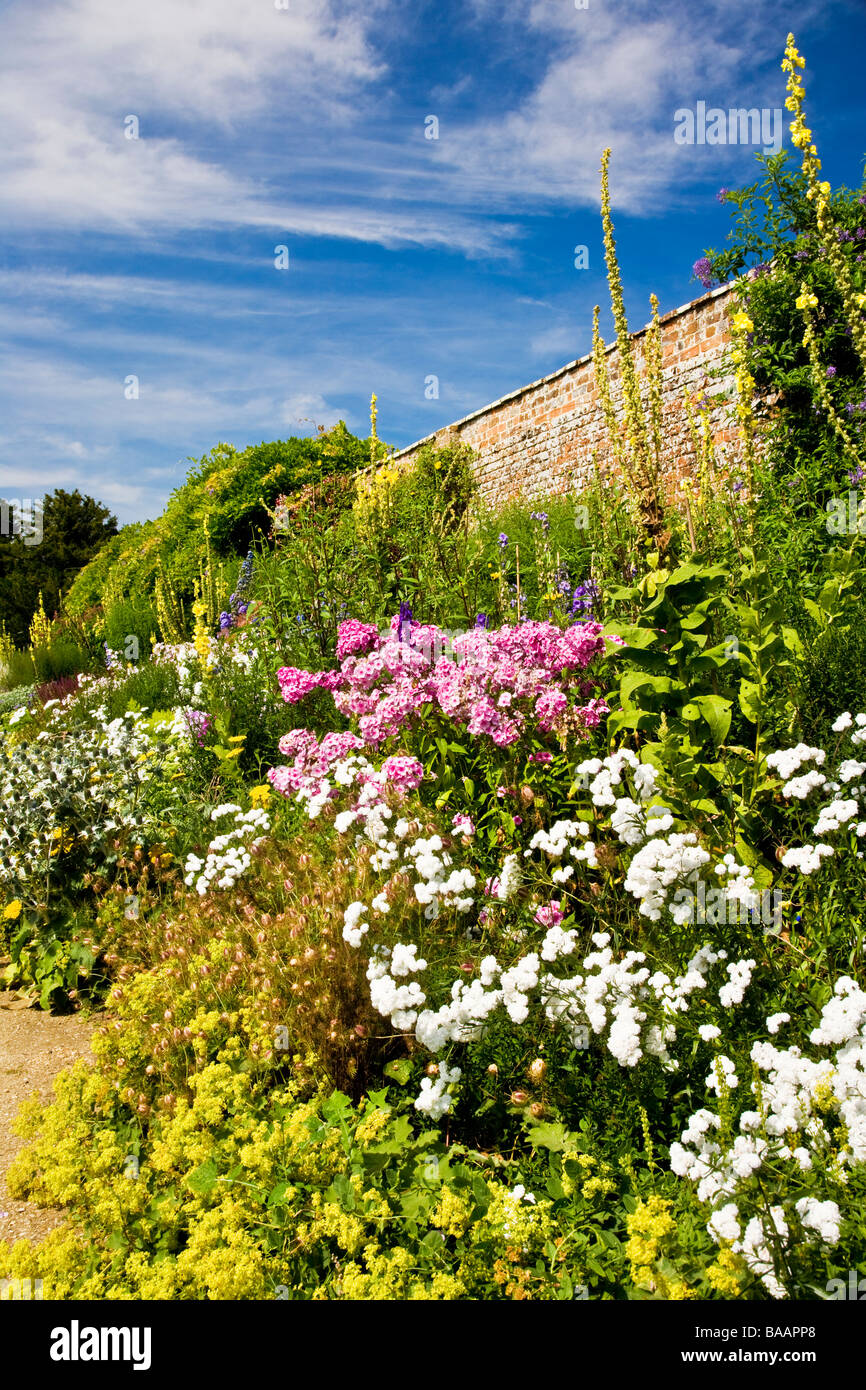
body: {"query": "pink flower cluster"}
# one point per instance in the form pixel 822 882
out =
pixel 199 723
pixel 403 772
pixel 355 639
pixel 295 684
pixel 313 760
pixel 550 914
pixel 498 684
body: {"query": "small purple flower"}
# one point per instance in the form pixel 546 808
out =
pixel 722 194
pixel 702 270
pixel 481 620
pixel 831 372
pixel 856 475
pixel 503 540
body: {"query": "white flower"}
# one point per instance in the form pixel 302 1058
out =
pixel 723 1225
pixel 725 1066
pixel 823 1217
pixel 509 878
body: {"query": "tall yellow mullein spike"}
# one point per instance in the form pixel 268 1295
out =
pixel 374 438
pixel 40 626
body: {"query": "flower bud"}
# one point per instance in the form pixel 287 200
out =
pixel 537 1070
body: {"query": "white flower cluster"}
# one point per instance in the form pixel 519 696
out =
pixel 228 855
pixel 631 820
pixel 839 811
pixel 559 840
pixel 660 864
pixel 435 1098
pixel 76 790
pixel 510 878
pixel 740 973
pixel 796 1096
pixel 399 1003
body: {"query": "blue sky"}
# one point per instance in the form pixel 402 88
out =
pixel 408 257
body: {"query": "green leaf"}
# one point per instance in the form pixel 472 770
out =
pixel 716 711
pixel 203 1179
pixel 550 1136
pixel 400 1071
pixel 750 700
pixel 793 641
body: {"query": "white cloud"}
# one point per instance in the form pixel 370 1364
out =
pixel 231 100
pixel 616 73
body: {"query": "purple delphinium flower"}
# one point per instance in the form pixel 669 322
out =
pixel 481 620
pixel 503 540
pixel 542 517
pixel 585 596
pixel 404 625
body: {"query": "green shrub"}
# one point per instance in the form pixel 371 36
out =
pixel 18 670
pixel 60 659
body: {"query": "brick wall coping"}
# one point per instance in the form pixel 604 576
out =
pixel 560 371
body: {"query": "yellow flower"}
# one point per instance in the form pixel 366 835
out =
pixel 743 323
pixel 260 795
pixel 12 911
pixel 806 300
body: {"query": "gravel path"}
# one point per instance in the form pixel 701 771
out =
pixel 34 1047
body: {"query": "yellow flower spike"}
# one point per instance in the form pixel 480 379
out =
pixel 12 911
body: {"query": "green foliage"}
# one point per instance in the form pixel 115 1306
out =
pixel 61 658
pixel 73 530
pixel 18 671
pixel 232 490
pixel 131 618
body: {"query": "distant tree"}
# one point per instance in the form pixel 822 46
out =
pixel 74 527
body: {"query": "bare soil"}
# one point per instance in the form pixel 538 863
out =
pixel 34 1047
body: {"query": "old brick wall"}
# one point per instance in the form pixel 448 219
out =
pixel 540 439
